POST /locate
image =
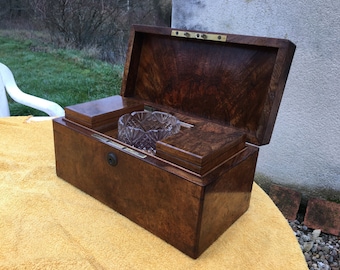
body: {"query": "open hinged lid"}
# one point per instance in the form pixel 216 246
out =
pixel 234 80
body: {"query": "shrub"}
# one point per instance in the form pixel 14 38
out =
pixel 98 23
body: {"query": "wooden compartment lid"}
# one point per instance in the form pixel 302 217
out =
pixel 102 113
pixel 234 80
pixel 202 148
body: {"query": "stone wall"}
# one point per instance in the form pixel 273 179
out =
pixel 304 152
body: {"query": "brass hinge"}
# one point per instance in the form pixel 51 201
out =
pixel 196 35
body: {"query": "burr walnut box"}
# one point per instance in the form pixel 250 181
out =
pixel 224 89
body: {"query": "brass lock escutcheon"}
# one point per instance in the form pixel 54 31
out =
pixel 112 159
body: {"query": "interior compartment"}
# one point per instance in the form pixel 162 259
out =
pixel 199 146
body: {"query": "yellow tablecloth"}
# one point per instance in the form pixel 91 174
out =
pixel 45 223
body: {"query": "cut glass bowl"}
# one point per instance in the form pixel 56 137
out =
pixel 143 129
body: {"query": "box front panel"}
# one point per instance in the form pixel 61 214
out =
pixel 161 202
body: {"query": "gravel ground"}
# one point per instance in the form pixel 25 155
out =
pixel 322 251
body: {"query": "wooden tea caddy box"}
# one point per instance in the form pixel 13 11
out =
pixel 226 91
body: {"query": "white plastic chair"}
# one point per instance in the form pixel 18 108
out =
pixel 7 83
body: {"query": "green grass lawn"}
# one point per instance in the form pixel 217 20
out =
pixel 64 76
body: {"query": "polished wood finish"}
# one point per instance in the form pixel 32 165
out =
pixel 102 114
pixel 188 211
pixel 201 147
pixel 199 181
pixel 238 83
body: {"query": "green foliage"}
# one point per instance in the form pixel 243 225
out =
pixel 63 76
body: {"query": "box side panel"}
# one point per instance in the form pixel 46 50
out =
pixel 227 198
pixel 155 199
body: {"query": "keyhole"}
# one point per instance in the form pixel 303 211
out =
pixel 112 159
